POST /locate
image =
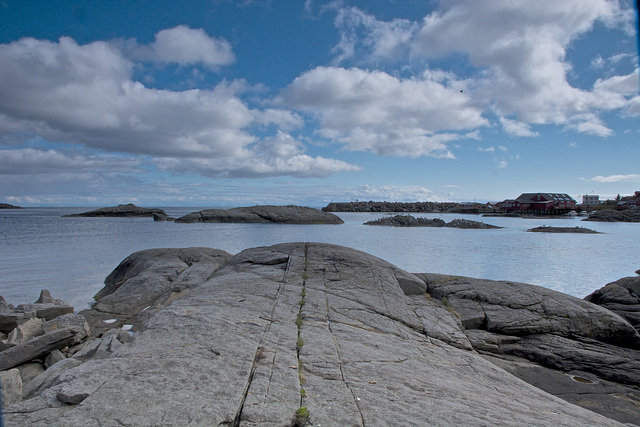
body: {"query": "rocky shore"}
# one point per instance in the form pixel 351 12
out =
pixel 317 333
pixel 128 210
pixel 411 221
pixel 8 206
pixel 611 215
pixel 372 206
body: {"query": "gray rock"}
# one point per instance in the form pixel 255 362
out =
pixel 240 347
pixel 45 311
pixel 47 378
pixel 518 309
pixel 30 370
pixel 11 386
pixel 24 332
pixel 39 347
pixel 622 297
pixel 54 357
pixel 147 280
pixel 128 210
pixel 611 215
pixel 264 214
pixel 74 321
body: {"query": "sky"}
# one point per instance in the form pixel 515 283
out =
pixel 236 103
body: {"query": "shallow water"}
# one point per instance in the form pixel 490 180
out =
pixel 71 256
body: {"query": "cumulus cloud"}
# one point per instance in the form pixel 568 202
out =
pixel 374 111
pixel 632 177
pixel 84 95
pixel 521 63
pixel 276 156
pixel 185 46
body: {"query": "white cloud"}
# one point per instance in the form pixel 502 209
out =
pixel 633 177
pixel 522 60
pixel 516 128
pixel 380 40
pixel 84 95
pixel 502 164
pixel 487 150
pixel 184 46
pixel 277 156
pixel 29 161
pixel 411 193
pixel 374 111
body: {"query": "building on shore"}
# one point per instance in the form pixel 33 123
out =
pixel 539 204
pixel 591 200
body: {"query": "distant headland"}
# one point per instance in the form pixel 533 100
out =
pixel 8 206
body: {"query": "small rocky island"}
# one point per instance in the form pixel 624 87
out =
pixel 549 229
pixel 611 215
pixel 411 221
pixel 8 206
pixel 263 214
pixel 314 333
pixel 128 210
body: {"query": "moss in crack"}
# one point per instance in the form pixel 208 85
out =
pixel 299 344
pixel 301 417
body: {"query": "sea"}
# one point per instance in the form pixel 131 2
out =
pixel 71 257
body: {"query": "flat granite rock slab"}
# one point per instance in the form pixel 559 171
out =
pixel 309 325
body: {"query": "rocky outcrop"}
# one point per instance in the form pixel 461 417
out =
pixel 548 339
pixel 545 229
pixel 263 214
pixel 128 210
pixel 611 215
pixel 372 206
pixel 8 206
pixel 303 331
pixel 38 332
pixel 411 221
pixel 622 297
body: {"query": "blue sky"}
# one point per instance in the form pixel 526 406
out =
pixel 230 103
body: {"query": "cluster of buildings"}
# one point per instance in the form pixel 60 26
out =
pixel 560 203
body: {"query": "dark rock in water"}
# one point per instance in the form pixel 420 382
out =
pixel 254 338
pixel 610 215
pixel 545 229
pixel 411 221
pixel 162 217
pixel 264 214
pixel 8 206
pixel 467 224
pixel 622 297
pixel 128 210
pixel 407 221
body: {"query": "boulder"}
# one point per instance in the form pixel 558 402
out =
pixel 313 330
pixel 24 332
pixel 128 210
pixel 11 386
pixel 622 297
pixel 263 214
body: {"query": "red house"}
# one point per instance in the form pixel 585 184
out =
pixel 540 204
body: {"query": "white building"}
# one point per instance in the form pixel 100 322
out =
pixel 591 199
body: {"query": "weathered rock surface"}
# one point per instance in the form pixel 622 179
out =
pixel 128 210
pixel 263 214
pixel 545 229
pixel 8 206
pixel 353 339
pixel 411 221
pixel 611 215
pixel 622 297
pixel 519 323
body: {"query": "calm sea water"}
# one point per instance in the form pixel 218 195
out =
pixel 72 256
